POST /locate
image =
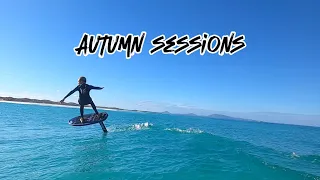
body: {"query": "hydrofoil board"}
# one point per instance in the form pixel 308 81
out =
pixel 90 119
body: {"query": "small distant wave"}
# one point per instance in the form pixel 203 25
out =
pixel 190 130
pixel 294 155
pixel 132 127
pixel 314 159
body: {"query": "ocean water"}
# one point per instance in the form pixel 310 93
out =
pixel 36 142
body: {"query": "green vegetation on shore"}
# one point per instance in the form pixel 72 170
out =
pixel 43 101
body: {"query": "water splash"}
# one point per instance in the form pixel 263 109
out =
pixel 142 126
pixel 132 127
pixel 294 155
pixel 190 130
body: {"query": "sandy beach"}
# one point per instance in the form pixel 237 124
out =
pixel 55 105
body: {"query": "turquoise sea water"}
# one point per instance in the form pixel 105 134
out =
pixel 36 142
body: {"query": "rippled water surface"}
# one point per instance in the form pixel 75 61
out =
pixel 36 142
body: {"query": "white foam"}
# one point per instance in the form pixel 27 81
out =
pixel 294 155
pixel 140 126
pixel 190 130
pixel 133 127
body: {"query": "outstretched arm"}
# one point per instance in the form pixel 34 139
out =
pixel 71 92
pixel 93 87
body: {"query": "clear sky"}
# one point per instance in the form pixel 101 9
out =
pixel 278 71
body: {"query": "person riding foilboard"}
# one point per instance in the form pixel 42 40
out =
pixel 84 96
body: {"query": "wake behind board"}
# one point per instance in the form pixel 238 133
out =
pixel 90 119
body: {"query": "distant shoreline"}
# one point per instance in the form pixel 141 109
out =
pixel 53 105
pixel 75 105
pixel 57 104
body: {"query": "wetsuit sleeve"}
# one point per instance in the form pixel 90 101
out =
pixel 71 92
pixel 93 87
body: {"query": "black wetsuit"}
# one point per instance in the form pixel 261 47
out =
pixel 84 96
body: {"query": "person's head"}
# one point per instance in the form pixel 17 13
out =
pixel 82 80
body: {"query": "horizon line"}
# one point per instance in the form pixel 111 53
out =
pixel 216 111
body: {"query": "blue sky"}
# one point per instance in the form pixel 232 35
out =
pixel 278 71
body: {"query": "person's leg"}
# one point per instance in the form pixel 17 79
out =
pixel 81 107
pixel 94 107
pixel 81 110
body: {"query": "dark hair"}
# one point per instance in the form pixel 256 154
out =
pixel 83 79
